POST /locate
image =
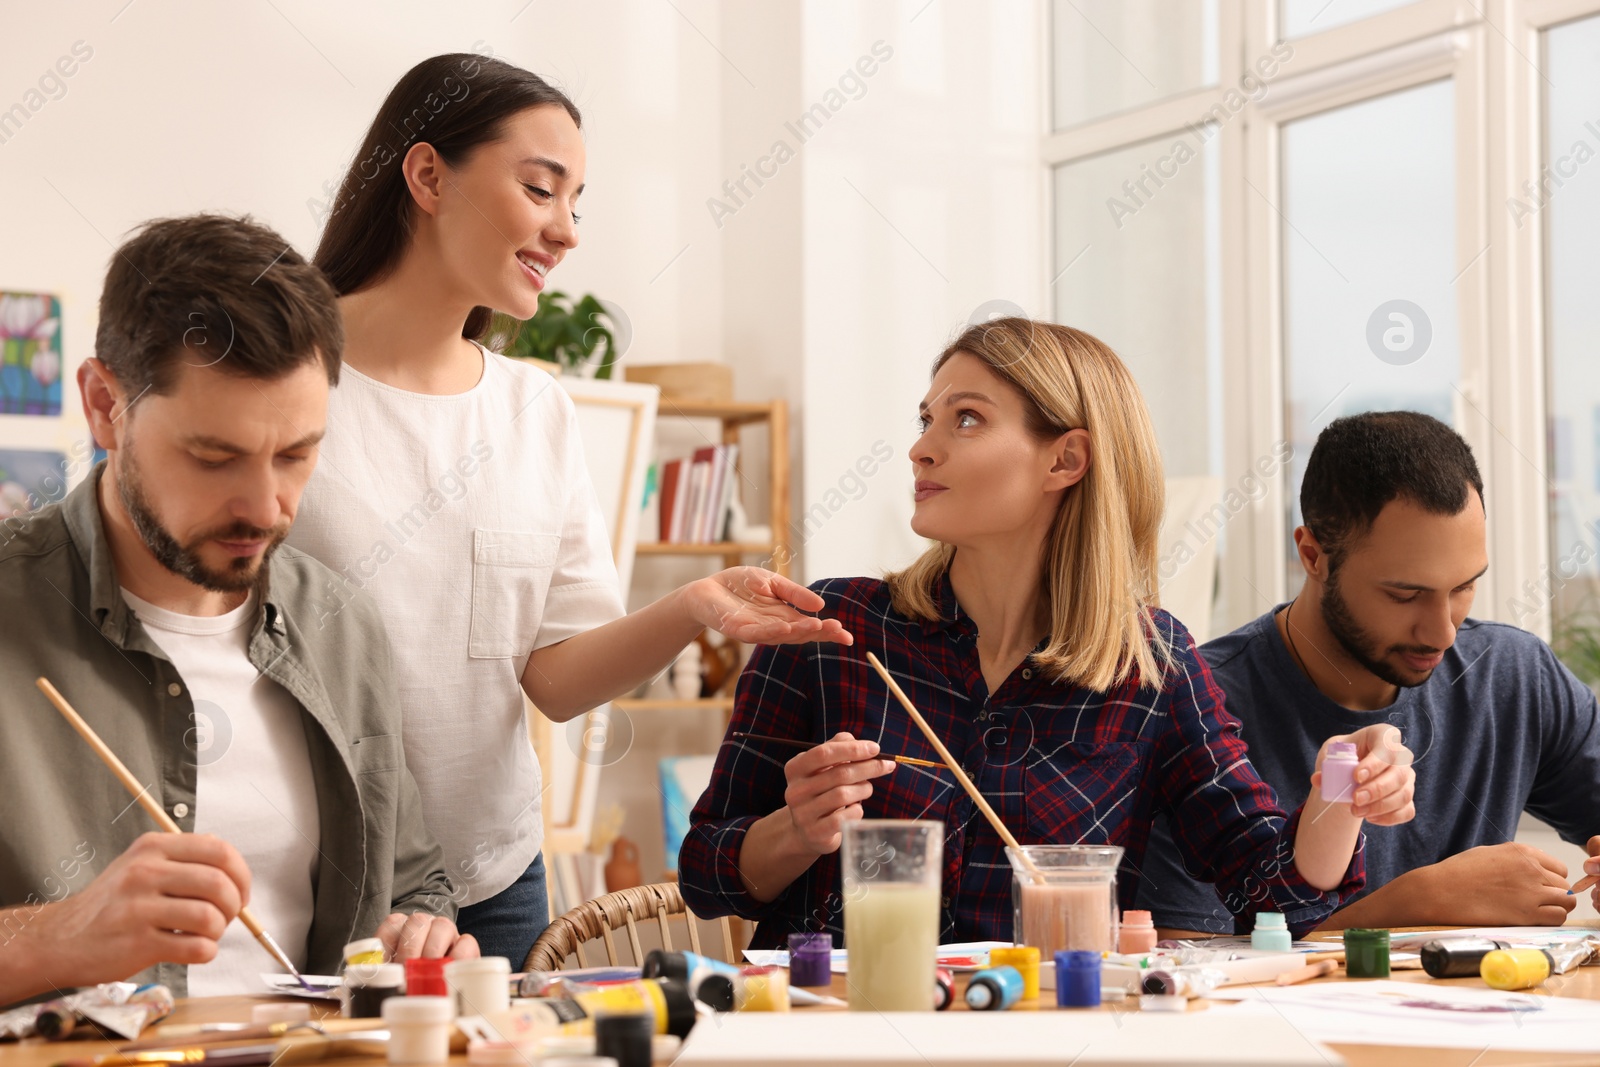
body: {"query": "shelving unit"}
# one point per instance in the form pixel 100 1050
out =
pixel 733 417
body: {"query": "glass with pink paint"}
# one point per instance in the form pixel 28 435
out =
pixel 1066 900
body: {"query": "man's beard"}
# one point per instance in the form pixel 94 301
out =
pixel 240 575
pixel 1358 643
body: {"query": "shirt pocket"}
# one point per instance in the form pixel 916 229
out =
pixel 1086 793
pixel 510 581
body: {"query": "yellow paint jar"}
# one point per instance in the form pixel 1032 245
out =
pixel 1025 958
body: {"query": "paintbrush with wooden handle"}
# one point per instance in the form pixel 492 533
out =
pixel 154 810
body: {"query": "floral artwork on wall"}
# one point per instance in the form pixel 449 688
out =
pixel 30 354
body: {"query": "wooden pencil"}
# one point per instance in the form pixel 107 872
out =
pixel 155 811
pixel 911 761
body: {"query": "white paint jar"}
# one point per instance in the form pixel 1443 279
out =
pixel 419 1029
pixel 480 986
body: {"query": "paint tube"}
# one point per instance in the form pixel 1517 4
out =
pixel 119 1009
pixel 1190 981
pixel 710 981
pixel 572 1010
pixel 1461 957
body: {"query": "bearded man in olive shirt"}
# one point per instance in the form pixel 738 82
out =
pixel 147 597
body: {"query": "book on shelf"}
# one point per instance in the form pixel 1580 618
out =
pixel 695 496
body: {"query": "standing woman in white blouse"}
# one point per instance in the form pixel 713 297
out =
pixel 451 486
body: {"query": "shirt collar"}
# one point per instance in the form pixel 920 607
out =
pixel 947 608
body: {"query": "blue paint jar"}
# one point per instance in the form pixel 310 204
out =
pixel 994 989
pixel 1077 979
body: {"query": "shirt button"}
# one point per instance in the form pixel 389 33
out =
pixel 174 689
pixel 1027 672
pixel 947 902
pixel 179 810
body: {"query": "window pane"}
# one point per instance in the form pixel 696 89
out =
pixel 1571 216
pixel 1113 55
pixel 1301 17
pixel 1369 265
pixel 1137 264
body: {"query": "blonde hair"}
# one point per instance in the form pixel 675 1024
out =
pixel 1100 555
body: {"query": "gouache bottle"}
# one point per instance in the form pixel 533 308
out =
pixel 1271 933
pixel 1339 773
pixel 1138 934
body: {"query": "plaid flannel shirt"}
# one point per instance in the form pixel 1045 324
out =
pixel 1059 763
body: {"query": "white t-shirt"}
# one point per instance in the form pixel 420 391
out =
pixel 253 789
pixel 471 520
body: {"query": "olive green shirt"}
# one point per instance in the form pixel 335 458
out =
pixel 65 816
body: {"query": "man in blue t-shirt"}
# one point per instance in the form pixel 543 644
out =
pixel 1392 547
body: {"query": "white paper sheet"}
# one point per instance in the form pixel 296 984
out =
pixel 1421 1015
pixel 323 986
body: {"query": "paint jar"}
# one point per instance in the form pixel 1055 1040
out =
pixel 810 959
pixel 1138 934
pixel 1515 968
pixel 479 986
pixel 425 978
pixel 419 1028
pixel 367 986
pixel 944 988
pixel 762 989
pixel 625 1038
pixel 1077 979
pixel 892 872
pixel 1366 953
pixel 1339 772
pixel 1070 904
pixel 367 950
pixel 1025 958
pixel 994 989
pixel 1271 933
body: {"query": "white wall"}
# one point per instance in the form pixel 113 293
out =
pixel 252 107
pixel 923 200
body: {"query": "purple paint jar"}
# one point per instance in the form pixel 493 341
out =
pixel 1339 772
pixel 811 959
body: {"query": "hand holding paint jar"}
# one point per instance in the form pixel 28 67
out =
pixel 1377 782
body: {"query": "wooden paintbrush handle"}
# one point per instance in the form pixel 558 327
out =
pixel 950 761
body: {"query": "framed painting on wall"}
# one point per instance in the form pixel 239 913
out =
pixel 30 354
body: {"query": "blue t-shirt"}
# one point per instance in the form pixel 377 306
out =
pixel 1501 727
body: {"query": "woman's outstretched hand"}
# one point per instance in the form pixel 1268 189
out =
pixel 760 607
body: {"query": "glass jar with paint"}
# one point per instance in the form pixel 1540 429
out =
pixel 892 872
pixel 1064 897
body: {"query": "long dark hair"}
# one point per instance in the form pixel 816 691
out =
pixel 453 102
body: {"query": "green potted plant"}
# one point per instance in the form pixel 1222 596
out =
pixel 561 331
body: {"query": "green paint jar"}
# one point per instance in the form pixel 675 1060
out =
pixel 1366 953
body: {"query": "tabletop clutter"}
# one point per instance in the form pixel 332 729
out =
pixel 1077 952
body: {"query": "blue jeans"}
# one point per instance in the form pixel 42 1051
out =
pixel 508 923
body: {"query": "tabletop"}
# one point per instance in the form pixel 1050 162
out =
pixel 1582 983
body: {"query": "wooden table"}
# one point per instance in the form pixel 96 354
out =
pixel 1584 982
